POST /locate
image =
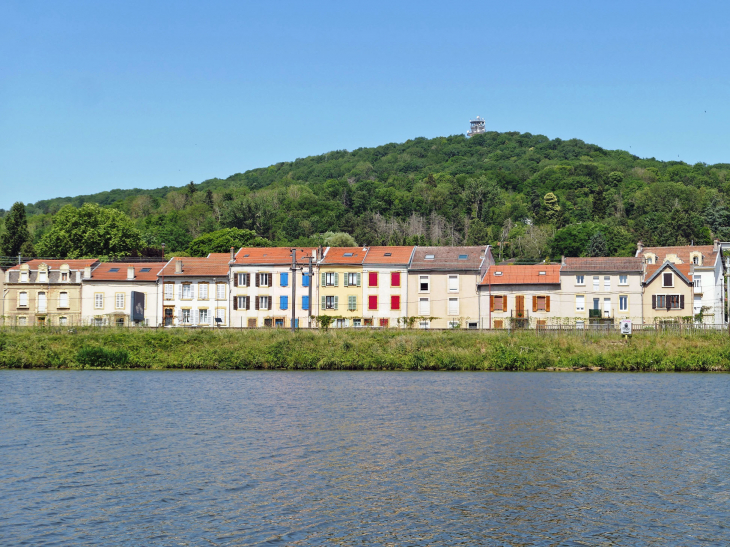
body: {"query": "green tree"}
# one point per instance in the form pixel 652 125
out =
pixel 597 245
pixel 339 239
pixel 221 241
pixel 551 206
pixel 90 231
pixel 16 231
pixel 599 203
pixel 478 233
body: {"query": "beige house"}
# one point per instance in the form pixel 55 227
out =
pixel 339 286
pixel 602 289
pixel 44 292
pixel 121 294
pixel 443 285
pixel 668 292
pixel 516 296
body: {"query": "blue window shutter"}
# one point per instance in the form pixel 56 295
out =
pixel 305 280
pixel 296 323
pixel 305 302
pixel 284 279
pixel 283 302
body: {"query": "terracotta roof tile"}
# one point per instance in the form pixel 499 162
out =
pixel 272 255
pixel 389 255
pixel 195 266
pixel 651 269
pixel 77 264
pixel 344 255
pixel 602 264
pixel 537 274
pixel 448 258
pixel 103 272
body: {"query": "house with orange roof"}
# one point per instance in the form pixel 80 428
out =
pixel 265 289
pixel 600 290
pixel 44 292
pixel 195 291
pixel 668 292
pixel 121 294
pixel 385 285
pixel 443 285
pixel 339 285
pixel 708 276
pixel 519 296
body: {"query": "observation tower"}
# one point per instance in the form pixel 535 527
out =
pixel 477 127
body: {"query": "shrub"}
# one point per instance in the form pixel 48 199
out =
pixel 95 356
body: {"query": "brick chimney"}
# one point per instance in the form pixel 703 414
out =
pixel 130 272
pixel 233 254
pixel 178 266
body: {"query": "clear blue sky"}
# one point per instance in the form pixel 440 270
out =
pixel 96 95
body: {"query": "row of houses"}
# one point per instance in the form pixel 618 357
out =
pixel 426 287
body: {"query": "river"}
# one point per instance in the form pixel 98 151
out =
pixel 363 458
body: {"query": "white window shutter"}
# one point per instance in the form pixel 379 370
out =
pixel 337 279
pixel 195 317
pixel 359 280
pixel 179 317
pixel 337 298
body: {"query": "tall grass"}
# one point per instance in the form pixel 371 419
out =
pixel 359 350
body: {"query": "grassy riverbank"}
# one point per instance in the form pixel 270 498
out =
pixel 359 350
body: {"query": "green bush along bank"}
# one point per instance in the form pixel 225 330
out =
pixel 358 350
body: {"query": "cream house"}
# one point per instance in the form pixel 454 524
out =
pixel 339 285
pixel 668 292
pixel 265 291
pixel 443 285
pixel 195 291
pixel 44 292
pixel 121 294
pixel 385 285
pixel 602 289
pixel 517 296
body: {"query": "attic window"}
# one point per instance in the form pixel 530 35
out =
pixel 144 270
pixel 113 269
pixel 463 257
pixel 497 273
pixel 388 254
pixel 347 254
pixel 542 273
pixel 244 256
pixel 429 257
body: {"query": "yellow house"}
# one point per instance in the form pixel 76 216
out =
pixel 340 285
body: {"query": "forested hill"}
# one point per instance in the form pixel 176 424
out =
pixel 528 195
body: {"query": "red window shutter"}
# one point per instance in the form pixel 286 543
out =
pixel 395 279
pixel 395 302
pixel 372 302
pixel 372 279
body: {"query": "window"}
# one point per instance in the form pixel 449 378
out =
pixel 695 260
pixel 607 307
pixel 42 305
pixel 220 313
pixel 347 254
pixel 283 302
pixel 372 302
pixel 395 302
pixel 351 280
pixel 424 283
pixel 169 287
pixel 305 280
pixel 596 303
pixel 463 257
pixel 580 325
pixel 395 279
pixel 98 301
pixel 42 277
pixel 697 283
pixel 623 303
pixel 429 257
pixel 499 303
pixel 264 302
pixel 596 282
pixel 329 279
pixel 388 254
pixel 145 270
pixel 472 325
pixel 242 303
pixel 541 302
pixel 305 302
pixel 623 279
pixel 242 279
pixel 368 322
pixel 186 316
pixel 202 291
pixel 22 299
pixel 453 306
pixel 284 279
pixel 62 321
pixel 424 306
pixel 384 323
pixel 264 280
pixel 114 270
pixel 424 324
pixel 649 260
pixel 119 300
pixel 330 302
pixel 23 277
pixel 667 280
pixel 372 279
pixel 580 302
pixel 64 277
pixel 22 321
pixel 606 282
pixel 220 291
pixel 453 283
pixel 352 303
pixel 204 319
pixel 187 291
pixel 497 273
pixel 580 280
pixel 357 322
pixel 668 301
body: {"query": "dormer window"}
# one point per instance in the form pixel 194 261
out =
pixel 64 276
pixel 42 277
pixel 696 260
pixel 23 277
pixel 463 257
pixel 429 257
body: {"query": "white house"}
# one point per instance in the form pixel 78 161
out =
pixel 385 285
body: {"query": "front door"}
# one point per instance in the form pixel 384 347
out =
pixel 168 316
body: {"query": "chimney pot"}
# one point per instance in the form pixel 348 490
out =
pixel 130 272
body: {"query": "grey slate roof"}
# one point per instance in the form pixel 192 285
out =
pixel 603 264
pixel 447 258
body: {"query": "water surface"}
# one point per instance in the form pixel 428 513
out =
pixel 363 458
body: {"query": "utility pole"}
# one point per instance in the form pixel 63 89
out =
pixel 311 282
pixel 293 289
